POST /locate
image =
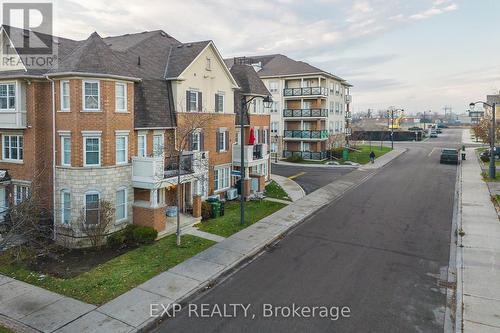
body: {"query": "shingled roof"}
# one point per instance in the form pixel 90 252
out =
pixel 248 80
pixel 153 104
pixel 181 56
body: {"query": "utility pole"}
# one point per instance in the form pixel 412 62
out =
pixel 392 129
pixel 493 167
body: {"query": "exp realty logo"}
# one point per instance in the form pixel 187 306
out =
pixel 26 40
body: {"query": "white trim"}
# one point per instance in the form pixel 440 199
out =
pixel 126 149
pixel 125 97
pixel 19 148
pixel 91 75
pixel 122 132
pixel 222 168
pixel 61 97
pixel 125 204
pixel 91 133
pixel 89 192
pixel 65 137
pixel 16 96
pixel 85 151
pixel 84 108
pixel 64 132
pixel 144 136
pixel 63 192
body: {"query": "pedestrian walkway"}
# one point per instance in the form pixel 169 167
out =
pixel 286 202
pixel 192 230
pixel 467 138
pixel 384 159
pixel 479 266
pixel 295 192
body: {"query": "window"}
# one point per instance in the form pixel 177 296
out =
pixel 273 87
pixel 21 193
pixel 219 103
pixel 121 204
pixel 193 101
pixel 221 178
pixel 307 146
pixel 331 87
pixel 141 145
pixel 209 64
pixel 274 127
pixel 256 133
pixel 222 141
pixel 196 141
pixel 7 96
pixel 13 147
pixel 264 136
pixel 65 95
pixel 274 107
pixel 65 207
pixel 337 89
pixel 92 154
pixel 121 97
pixel 66 150
pixel 121 149
pixel 337 108
pixel 91 95
pixel 92 207
pixel 259 105
pixel 157 145
pixel 330 127
pixel 274 147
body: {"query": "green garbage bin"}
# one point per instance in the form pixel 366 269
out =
pixel 215 208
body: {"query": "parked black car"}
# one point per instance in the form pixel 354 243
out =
pixel 449 155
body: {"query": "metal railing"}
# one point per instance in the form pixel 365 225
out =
pixel 305 113
pixel 306 91
pixel 307 155
pixel 172 166
pixel 306 134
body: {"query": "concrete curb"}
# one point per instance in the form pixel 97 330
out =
pixel 308 165
pixel 291 187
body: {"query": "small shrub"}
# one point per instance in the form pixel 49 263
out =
pixel 295 159
pixel 144 235
pixel 484 158
pixel 337 152
pixel 206 210
pixel 116 239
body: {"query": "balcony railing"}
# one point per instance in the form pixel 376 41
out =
pixel 252 152
pixel 305 113
pixel 306 134
pixel 172 165
pixel 307 155
pixel 306 91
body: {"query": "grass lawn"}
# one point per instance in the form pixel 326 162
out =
pixel 363 155
pixel 111 279
pixel 229 224
pixel 5 330
pixel 486 177
pixel 273 190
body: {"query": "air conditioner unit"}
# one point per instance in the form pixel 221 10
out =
pixel 232 194
pixel 213 197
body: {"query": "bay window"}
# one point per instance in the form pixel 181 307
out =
pixel 7 96
pixel 121 97
pixel 121 204
pixel 65 100
pixel 13 147
pixel 91 96
pixel 92 151
pixel 121 149
pixel 92 207
pixel 65 207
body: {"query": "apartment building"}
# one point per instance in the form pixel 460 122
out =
pixel 310 106
pixel 104 123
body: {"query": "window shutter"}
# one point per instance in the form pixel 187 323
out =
pixel 200 104
pixel 190 142
pixel 226 134
pixel 187 100
pixel 202 141
pixel 217 103
pixel 217 141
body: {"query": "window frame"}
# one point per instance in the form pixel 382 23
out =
pixel 197 135
pixel 85 164
pixel 125 137
pixel 68 107
pixel 19 148
pixel 124 204
pixel 8 96
pixel 125 97
pixel 23 189
pixel 84 102
pixel 162 142
pixel 224 177
pixel 274 90
pixel 91 192
pixel 63 151
pixel 188 107
pixel 225 138
pixel 64 208
pixel 141 136
pixel 220 97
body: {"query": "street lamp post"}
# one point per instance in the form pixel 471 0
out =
pixel 276 138
pixel 392 125
pixel 244 103
pixel 493 107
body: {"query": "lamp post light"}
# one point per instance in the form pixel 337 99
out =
pixel 243 104
pixel 493 107
pixel 276 148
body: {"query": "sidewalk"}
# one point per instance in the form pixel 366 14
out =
pixel 383 160
pixel 478 260
pixel 44 311
pixel 466 138
pixel 295 192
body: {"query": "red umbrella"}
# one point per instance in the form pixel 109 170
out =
pixel 251 138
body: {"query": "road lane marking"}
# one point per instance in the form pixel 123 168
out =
pixel 297 175
pixel 431 152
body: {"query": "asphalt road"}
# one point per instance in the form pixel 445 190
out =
pixel 310 178
pixel 378 250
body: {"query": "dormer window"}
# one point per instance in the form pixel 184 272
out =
pixel 7 96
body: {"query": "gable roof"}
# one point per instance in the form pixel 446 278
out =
pixel 181 56
pixel 248 80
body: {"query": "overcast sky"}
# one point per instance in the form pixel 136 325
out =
pixel 414 54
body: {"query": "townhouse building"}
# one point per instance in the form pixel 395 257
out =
pixel 310 108
pixel 103 125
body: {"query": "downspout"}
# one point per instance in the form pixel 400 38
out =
pixel 53 157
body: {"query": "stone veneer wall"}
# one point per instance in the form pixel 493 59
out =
pixel 105 180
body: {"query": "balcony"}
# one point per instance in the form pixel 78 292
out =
pixel 306 91
pixel 12 119
pixel 307 155
pixel 253 153
pixel 306 134
pixel 305 113
pixel 158 171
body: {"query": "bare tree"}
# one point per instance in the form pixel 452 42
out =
pixel 96 221
pixel 187 125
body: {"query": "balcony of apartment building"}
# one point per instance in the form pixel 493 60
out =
pixel 305 109
pixel 306 150
pixel 13 105
pixel 305 130
pixel 254 154
pixel 305 87
pixel 159 171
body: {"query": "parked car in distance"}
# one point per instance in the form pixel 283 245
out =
pixel 433 135
pixel 449 155
pixel 439 130
pixel 332 163
pixel 351 163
